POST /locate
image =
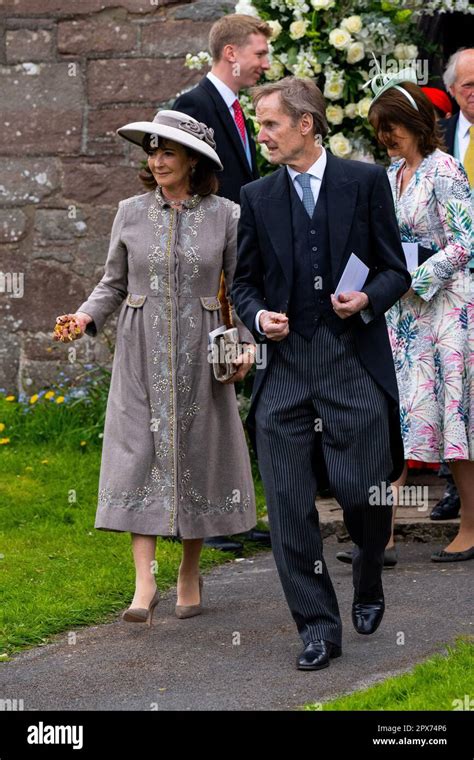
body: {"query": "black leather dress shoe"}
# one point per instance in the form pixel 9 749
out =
pixel 448 507
pixel 367 616
pixel 390 557
pixel 316 655
pixel 259 536
pixel 224 544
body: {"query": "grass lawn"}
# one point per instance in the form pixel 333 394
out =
pixel 432 685
pixel 57 571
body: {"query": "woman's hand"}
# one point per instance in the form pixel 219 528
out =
pixel 71 326
pixel 243 362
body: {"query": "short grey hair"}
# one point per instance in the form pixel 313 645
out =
pixel 449 76
pixel 299 95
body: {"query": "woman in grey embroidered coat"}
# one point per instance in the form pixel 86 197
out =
pixel 175 460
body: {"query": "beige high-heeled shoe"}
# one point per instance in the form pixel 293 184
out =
pixel 189 610
pixel 142 614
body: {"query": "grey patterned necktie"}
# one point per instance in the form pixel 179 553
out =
pixel 308 200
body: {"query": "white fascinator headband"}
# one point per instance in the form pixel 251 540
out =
pixel 382 82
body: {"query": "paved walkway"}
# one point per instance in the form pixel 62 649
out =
pixel 240 653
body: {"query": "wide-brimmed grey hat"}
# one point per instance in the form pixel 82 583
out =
pixel 176 126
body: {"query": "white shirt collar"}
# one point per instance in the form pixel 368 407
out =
pixel 227 95
pixel 463 125
pixel 316 170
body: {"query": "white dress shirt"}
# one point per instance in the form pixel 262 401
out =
pixel 316 172
pixel 229 97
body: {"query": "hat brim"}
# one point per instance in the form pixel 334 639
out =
pixel 136 131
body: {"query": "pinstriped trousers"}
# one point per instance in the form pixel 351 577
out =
pixel 322 385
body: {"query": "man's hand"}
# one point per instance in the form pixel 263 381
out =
pixel 274 325
pixel 243 362
pixel 347 304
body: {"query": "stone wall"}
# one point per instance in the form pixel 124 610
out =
pixel 71 72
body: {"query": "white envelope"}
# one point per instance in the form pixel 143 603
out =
pixel 411 255
pixel 353 277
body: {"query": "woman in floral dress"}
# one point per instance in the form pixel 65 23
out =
pixel 431 328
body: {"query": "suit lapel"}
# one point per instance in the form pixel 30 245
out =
pixel 451 133
pixel 227 121
pixel 276 215
pixel 341 196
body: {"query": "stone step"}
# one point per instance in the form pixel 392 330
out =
pixel 412 523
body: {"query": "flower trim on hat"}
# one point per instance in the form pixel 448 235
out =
pixel 200 130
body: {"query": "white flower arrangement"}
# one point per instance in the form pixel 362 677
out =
pixel 198 61
pixel 298 29
pixel 353 24
pixel 340 146
pixel 319 39
pixel 334 114
pixel 340 39
pixel 276 28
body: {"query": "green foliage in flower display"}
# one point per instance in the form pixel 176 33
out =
pixel 334 42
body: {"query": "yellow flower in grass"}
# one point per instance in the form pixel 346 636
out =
pixel 49 394
pixel 60 399
pixel 44 461
pixel 83 443
pixel 2 427
pixel 10 398
pixel 34 398
pixel 3 441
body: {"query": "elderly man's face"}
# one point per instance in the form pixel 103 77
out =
pixel 463 87
pixel 284 139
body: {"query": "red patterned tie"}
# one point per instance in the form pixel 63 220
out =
pixel 239 119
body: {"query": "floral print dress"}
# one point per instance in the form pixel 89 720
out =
pixel 431 330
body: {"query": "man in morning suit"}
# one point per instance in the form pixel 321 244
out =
pixel 239 50
pixel 329 362
pixel 459 129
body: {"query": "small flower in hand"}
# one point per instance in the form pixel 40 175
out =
pixel 67 328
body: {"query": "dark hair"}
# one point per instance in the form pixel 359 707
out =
pixel 394 109
pixel 202 181
pixel 298 95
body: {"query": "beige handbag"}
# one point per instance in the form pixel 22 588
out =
pixel 223 350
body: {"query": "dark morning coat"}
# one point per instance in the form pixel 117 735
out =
pixel 205 104
pixel 448 127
